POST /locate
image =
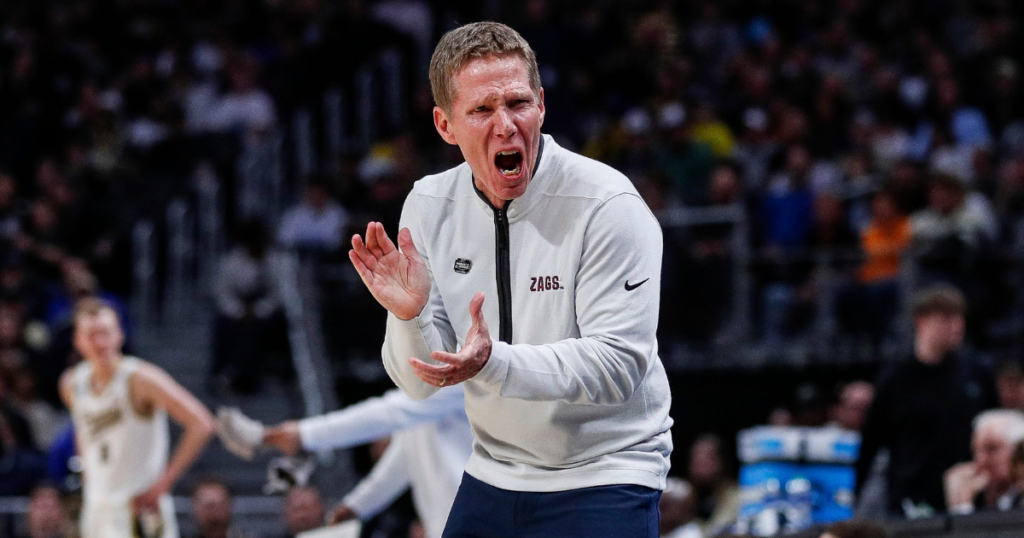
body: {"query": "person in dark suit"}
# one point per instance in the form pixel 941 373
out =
pixel 924 407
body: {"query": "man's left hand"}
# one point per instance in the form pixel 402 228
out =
pixel 465 364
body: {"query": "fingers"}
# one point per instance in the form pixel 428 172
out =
pixel 371 240
pixel 406 244
pixel 364 272
pixel 364 253
pixel 476 311
pixel 453 359
pixel 377 240
pixel 385 242
pixel 476 306
pixel 432 374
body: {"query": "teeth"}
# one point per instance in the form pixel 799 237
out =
pixel 510 152
pixel 512 172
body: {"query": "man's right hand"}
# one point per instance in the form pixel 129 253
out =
pixel 398 279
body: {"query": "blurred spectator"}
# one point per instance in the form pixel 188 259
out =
pixel 250 321
pixel 810 406
pixel 678 511
pixel 46 515
pixel 787 208
pixel 884 240
pixel 780 416
pixel 44 421
pixel 955 224
pixel 756 149
pixel 831 227
pixel 303 510
pixel 923 407
pixel 868 307
pixel 908 186
pixel 21 465
pixel 685 161
pixel 716 494
pixel 786 223
pixel 212 510
pixel 1010 382
pixel 854 401
pixel 986 482
pixel 711 131
pixel 245 107
pixel 317 223
pixel 855 529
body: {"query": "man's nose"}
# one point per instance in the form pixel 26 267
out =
pixel 503 124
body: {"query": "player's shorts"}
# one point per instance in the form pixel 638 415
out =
pixel 115 521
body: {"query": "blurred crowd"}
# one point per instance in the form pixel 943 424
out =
pixel 212 513
pixel 853 134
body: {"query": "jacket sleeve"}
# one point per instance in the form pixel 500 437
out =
pixel 417 337
pixel 376 418
pixel 388 479
pixel 618 287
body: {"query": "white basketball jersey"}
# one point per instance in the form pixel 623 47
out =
pixel 123 454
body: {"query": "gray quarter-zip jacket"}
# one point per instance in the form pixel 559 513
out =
pixel 574 394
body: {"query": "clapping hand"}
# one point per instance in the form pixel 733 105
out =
pixel 465 364
pixel 398 279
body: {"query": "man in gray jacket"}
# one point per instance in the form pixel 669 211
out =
pixel 569 405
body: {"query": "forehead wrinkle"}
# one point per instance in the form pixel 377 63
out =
pixel 512 77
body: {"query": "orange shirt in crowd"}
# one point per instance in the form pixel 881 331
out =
pixel 882 244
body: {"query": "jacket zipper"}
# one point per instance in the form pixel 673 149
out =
pixel 501 254
pixel 503 273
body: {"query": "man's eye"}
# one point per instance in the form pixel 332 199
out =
pixel 480 109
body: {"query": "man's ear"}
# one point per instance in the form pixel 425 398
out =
pixel 443 126
pixel 541 104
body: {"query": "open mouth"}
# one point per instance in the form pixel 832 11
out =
pixel 509 163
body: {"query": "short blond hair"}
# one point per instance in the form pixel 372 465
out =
pixel 92 306
pixel 469 42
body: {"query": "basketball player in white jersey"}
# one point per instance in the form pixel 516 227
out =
pixel 119 406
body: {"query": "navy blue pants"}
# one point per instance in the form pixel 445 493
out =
pixel 484 511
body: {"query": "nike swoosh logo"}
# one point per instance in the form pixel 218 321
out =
pixel 631 287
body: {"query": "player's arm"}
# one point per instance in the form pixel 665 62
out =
pixel 152 388
pixel 388 479
pixel 365 421
pixel 66 388
pixel 618 286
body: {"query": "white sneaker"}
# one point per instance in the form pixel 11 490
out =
pixel 240 434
